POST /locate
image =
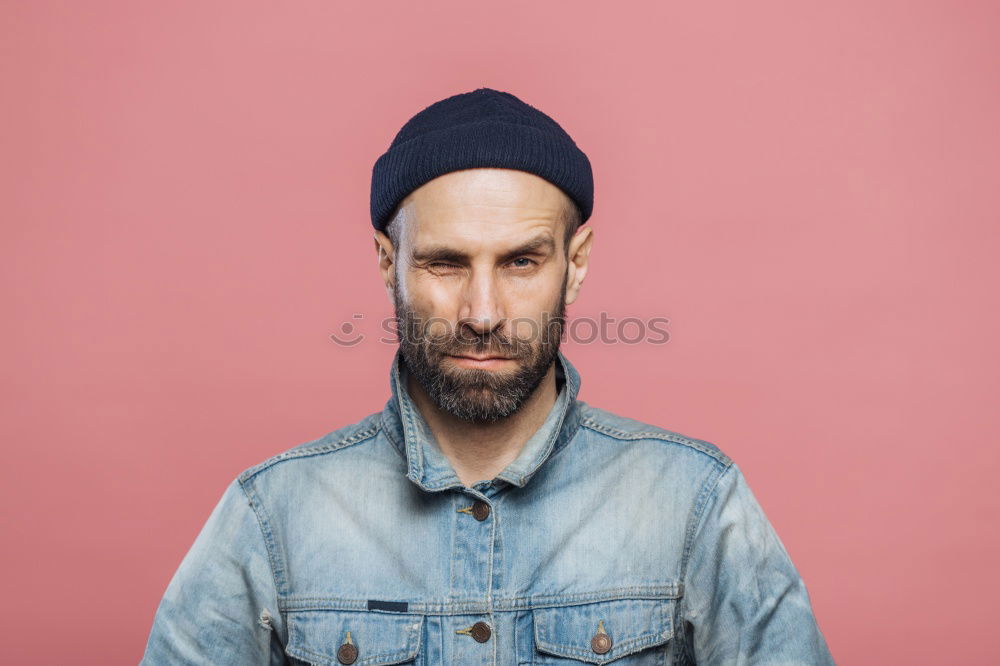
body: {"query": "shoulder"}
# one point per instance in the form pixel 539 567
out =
pixel 617 428
pixel 329 444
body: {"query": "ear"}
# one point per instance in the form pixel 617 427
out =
pixel 386 263
pixel 579 260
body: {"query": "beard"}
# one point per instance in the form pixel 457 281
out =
pixel 476 395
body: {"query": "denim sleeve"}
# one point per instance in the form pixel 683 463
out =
pixel 221 606
pixel 743 597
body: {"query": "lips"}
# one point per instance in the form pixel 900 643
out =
pixel 482 358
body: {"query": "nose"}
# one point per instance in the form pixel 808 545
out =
pixel 481 312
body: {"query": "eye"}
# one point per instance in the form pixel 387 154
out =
pixel 525 265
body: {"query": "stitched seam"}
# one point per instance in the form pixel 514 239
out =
pixel 268 538
pixel 589 422
pixel 696 520
pixel 408 652
pixel 550 443
pixel 641 640
pixel 663 593
pixel 489 581
pixel 399 448
pixel 311 451
pixel 567 433
pixel 416 460
pixel 371 659
pixel 629 646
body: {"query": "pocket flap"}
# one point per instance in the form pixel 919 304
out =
pixel 631 625
pixel 315 636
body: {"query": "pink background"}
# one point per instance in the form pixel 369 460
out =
pixel 809 193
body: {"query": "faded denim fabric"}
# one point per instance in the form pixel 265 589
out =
pixel 603 526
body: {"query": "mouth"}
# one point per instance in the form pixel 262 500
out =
pixel 489 361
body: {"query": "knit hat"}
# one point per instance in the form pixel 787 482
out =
pixel 482 128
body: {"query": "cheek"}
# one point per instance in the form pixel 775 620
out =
pixel 526 328
pixel 531 313
pixel 433 305
pixel 426 295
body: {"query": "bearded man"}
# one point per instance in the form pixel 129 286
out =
pixel 486 515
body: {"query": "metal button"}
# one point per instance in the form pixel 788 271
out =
pixel 480 510
pixel 347 653
pixel 481 632
pixel 601 642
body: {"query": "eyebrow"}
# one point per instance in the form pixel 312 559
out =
pixel 537 245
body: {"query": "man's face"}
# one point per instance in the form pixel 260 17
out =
pixel 481 288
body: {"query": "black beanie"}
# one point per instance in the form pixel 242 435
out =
pixel 482 128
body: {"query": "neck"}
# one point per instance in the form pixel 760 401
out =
pixel 479 452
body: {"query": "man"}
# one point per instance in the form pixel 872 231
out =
pixel 486 515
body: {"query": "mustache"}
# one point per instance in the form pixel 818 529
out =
pixel 464 342
pixel 492 345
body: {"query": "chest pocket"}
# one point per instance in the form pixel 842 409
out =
pixel 626 632
pixel 335 638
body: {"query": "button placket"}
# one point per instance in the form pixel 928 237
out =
pixel 472 572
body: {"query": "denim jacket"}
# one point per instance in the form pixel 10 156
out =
pixel 606 540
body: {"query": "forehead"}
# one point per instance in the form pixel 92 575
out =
pixel 483 207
